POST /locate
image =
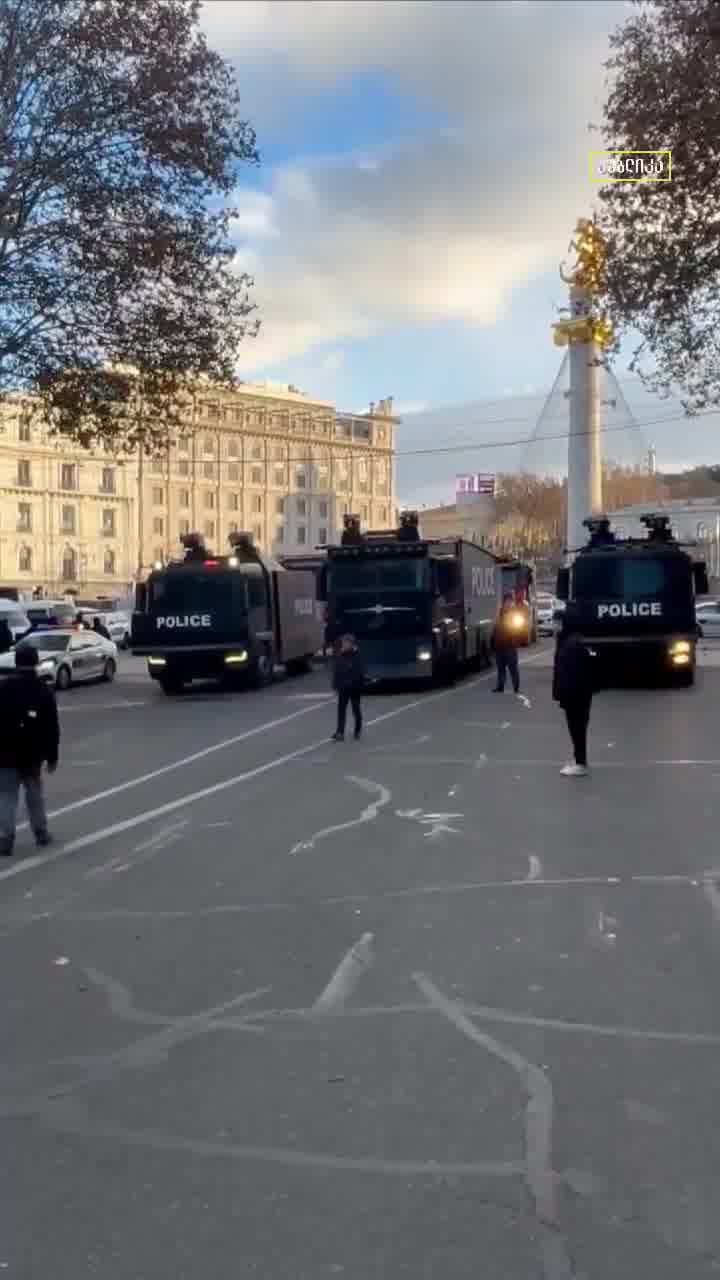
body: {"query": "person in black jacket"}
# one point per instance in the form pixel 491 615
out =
pixel 348 681
pixel 29 738
pixel 506 645
pixel 6 635
pixel 573 687
pixel 100 629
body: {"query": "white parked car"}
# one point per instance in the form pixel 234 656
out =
pixel 546 607
pixel 117 623
pixel 68 657
pixel 15 616
pixel 707 616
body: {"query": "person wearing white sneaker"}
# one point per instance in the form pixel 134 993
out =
pixel 573 686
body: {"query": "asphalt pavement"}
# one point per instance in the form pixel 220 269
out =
pixel 417 1005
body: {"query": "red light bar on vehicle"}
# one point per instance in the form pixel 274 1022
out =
pixel 211 564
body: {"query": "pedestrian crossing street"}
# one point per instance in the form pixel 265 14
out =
pixel 708 655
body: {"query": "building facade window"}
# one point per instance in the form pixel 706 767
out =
pixel 158 497
pixel 209 500
pixel 183 444
pixel 280 506
pixel 209 528
pixel 68 519
pixel 107 482
pixel 233 473
pixel 209 444
pixel 279 477
pixel 24 431
pixel 233 527
pixel 383 515
pixel 213 412
pixel 233 501
pixel 323 510
pixel 158 555
pixel 257 503
pixel 363 513
pixel 24 473
pixel 301 535
pixel 256 475
pixel 300 480
pixel 257 451
pixel 184 466
pixel 233 447
pixel 184 497
pixel 280 533
pixel 257 533
pixel 322 537
pixel 301 506
pixel 69 565
pixel 109 562
pixel 25 560
pixel 108 523
pixel 184 528
pixel 157 466
pixel 158 526
pixel 24 517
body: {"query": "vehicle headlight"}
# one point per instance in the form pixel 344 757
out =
pixel 424 654
pixel 680 646
pixel 234 659
pixel 517 621
pixel 47 664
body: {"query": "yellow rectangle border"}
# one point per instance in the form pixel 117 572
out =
pixel 662 151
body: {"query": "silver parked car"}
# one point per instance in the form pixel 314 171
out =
pixel 68 657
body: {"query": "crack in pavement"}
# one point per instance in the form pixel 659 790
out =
pixel 539 1176
pixel 368 814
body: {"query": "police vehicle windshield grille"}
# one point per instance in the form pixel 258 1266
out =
pixel 200 592
pixel 378 575
pixel 627 577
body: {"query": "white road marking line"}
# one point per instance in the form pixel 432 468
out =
pixel 157 840
pixel 102 706
pixel 536 870
pixel 367 815
pixel 310 697
pixel 539 1175
pixel 105 833
pixel 176 764
pixel 346 977
pixel 82 764
pixel 711 892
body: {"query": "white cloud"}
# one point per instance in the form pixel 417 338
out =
pixel 442 226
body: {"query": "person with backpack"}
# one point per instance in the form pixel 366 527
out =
pixel 573 687
pixel 348 681
pixel 29 738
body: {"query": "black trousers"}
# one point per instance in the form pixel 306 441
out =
pixel 577 714
pixel 507 660
pixel 349 697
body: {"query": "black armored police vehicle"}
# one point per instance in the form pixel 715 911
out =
pixel 420 609
pixel 634 600
pixel 231 617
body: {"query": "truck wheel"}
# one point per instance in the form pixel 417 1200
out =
pixel 171 686
pixel 299 666
pixel 263 669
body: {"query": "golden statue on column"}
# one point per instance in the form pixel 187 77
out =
pixel 587 282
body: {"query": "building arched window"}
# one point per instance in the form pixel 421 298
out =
pixel 109 562
pixel 25 560
pixel 69 565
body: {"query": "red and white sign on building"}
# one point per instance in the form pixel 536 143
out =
pixel 478 485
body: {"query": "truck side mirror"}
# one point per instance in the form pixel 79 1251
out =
pixel 562 586
pixel 702 586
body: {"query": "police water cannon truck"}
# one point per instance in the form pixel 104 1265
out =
pixel 634 599
pixel 231 617
pixel 420 609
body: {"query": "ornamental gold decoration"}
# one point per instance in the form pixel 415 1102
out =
pixel 590 248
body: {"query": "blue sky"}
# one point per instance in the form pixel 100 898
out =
pixel 423 165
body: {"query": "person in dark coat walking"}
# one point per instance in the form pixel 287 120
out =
pixel 6 636
pixel 348 681
pixel 29 738
pixel 100 629
pixel 573 687
pixel 506 645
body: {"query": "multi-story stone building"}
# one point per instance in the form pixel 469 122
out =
pixel 266 459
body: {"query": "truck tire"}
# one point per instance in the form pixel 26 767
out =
pixel 171 685
pixel 299 666
pixel 263 669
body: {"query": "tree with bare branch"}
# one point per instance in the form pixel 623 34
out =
pixel 120 141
